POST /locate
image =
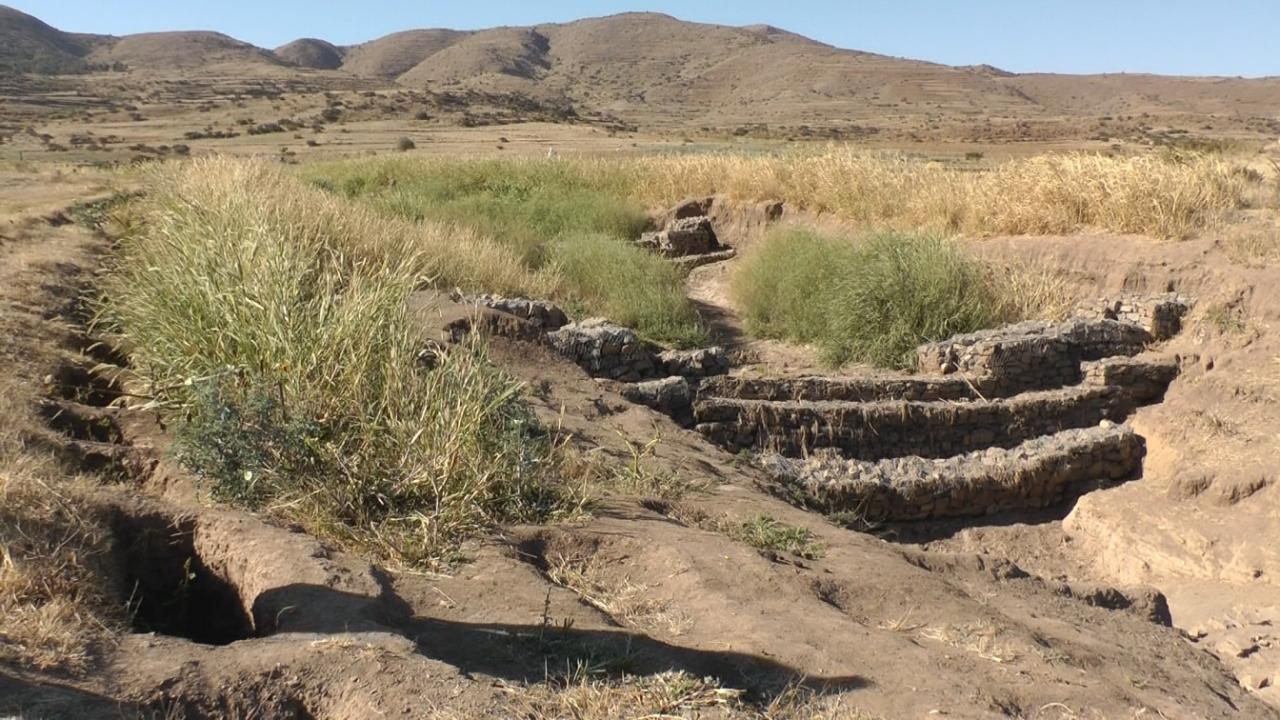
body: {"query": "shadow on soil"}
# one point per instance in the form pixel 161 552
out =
pixel 530 653
pixel 31 700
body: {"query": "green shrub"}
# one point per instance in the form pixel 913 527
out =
pixel 783 284
pixel 575 225
pixel 873 300
pixel 276 317
pixel 630 286
pixel 904 290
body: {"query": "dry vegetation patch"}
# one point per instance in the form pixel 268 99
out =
pixel 57 609
pixel 672 695
pixel 1162 196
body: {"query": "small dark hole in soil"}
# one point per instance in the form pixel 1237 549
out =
pixel 79 425
pixel 107 354
pixel 74 382
pixel 173 591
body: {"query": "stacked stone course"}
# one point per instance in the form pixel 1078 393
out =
pixel 606 350
pixel 892 428
pixel 1160 315
pixel 1038 473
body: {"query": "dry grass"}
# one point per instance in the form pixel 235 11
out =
pixel 1255 245
pixel 677 695
pixel 665 696
pixel 1033 291
pixel 57 607
pixel 628 603
pixel 600 472
pixel 982 638
pixel 1162 196
pixel 275 316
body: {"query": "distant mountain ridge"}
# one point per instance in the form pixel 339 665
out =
pixel 652 64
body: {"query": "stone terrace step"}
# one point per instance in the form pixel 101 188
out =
pixel 1144 378
pixel 1031 355
pixel 1038 473
pixel 883 429
pixel 815 388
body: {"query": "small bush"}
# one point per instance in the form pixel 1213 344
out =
pixel 781 283
pixel 873 300
pixel 904 290
pixel 628 285
pixel 405 144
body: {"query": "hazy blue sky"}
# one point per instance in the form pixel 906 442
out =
pixel 1220 37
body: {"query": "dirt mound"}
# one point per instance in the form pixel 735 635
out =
pixel 311 53
pixel 29 45
pixel 397 53
pixel 180 50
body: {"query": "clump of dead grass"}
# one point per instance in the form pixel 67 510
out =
pixel 671 695
pixel 628 603
pixel 599 471
pixel 57 605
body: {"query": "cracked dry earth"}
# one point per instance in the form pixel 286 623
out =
pixel 976 621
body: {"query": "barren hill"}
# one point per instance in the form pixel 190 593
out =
pixel 29 45
pixel 311 53
pixel 658 70
pixel 397 53
pixel 180 50
pixel 519 53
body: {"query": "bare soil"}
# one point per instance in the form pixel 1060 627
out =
pixel 239 617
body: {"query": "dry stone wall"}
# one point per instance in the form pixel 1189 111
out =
pixel 1161 316
pixel 1143 379
pixel 606 350
pixel 1038 473
pixel 543 314
pixel 1031 355
pixel 841 389
pixel 884 429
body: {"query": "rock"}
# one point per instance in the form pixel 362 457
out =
pixel 671 396
pixel 704 362
pixel 1254 681
pixel 690 262
pixel 606 350
pixel 683 237
pixel 691 208
pixel 542 313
